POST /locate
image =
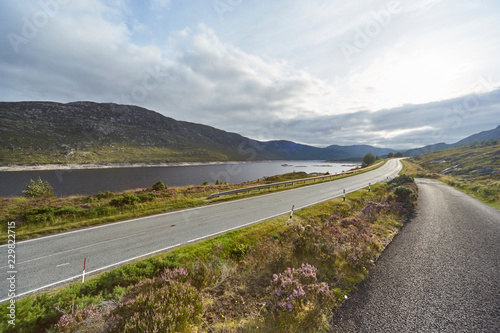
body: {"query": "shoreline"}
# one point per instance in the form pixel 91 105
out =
pixel 50 167
pixel 53 167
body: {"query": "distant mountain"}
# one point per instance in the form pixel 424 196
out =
pixel 358 151
pixel 482 136
pixel 87 132
pixel 427 149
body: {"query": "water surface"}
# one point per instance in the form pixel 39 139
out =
pixel 91 181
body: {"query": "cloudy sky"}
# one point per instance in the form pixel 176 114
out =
pixel 398 74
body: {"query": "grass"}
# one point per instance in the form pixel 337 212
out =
pixel 326 249
pixel 473 169
pixel 46 216
pixel 101 154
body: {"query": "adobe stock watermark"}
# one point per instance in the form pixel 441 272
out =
pixel 364 36
pixel 48 9
pixel 224 6
pixel 152 79
pixel 250 150
pixel 11 273
pixel 464 109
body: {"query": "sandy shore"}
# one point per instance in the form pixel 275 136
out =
pixel 105 166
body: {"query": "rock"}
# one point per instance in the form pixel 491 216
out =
pixel 485 170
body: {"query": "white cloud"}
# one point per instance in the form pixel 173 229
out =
pixel 88 52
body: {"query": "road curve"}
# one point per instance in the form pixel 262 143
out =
pixel 48 261
pixel 441 273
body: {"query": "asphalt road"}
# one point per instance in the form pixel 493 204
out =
pixel 441 273
pixel 49 261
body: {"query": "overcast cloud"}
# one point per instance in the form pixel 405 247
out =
pixel 399 74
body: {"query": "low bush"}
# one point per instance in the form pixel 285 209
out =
pixel 164 304
pixel 39 215
pixel 296 293
pixel 38 189
pixel 65 211
pixel 159 186
pixel 143 197
pixel 104 210
pixel 126 199
pixel 77 320
pixel 405 195
pixel 105 195
pixel 400 180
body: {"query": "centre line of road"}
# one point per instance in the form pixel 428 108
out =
pixel 186 210
pixel 83 247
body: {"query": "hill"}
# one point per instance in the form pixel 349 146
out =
pixel 101 133
pixel 485 135
pixel 359 150
pixel 473 168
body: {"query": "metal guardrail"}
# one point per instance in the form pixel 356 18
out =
pixel 303 180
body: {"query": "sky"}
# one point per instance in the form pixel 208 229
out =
pixel 399 74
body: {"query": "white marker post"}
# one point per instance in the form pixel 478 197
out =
pixel 83 275
pixel 344 194
pixel 291 213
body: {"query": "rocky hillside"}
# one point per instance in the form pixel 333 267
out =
pixel 479 137
pixel 476 161
pixel 87 132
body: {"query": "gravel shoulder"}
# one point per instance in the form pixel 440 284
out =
pixel 441 273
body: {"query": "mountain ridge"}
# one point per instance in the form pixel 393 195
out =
pixel 478 137
pixel 89 132
pixel 82 132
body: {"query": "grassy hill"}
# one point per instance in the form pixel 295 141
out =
pixel 473 168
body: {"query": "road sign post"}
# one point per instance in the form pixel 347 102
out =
pixel 83 274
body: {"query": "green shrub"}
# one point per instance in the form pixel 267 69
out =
pixel 143 197
pixel 237 253
pixel 105 195
pixel 400 180
pixel 405 194
pixel 126 199
pixel 104 210
pixel 66 211
pixel 369 159
pixel 39 215
pixel 38 189
pixel 159 186
pixel 33 314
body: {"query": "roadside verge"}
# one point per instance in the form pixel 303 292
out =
pixel 324 249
